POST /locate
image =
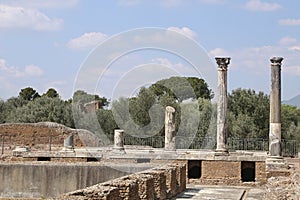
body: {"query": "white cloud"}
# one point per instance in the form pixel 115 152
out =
pixel 218 52
pixel 128 2
pixel 185 31
pixel 33 70
pixel 86 41
pixel 289 22
pixel 9 70
pixel 15 72
pixel 287 41
pixel 257 5
pixel 12 17
pixel 257 58
pixel 295 48
pixel 41 4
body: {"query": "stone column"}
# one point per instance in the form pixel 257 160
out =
pixel 275 108
pixel 222 104
pixel 119 141
pixel 170 129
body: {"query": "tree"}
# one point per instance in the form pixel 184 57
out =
pixel 28 94
pixel 51 93
pixel 2 116
pixel 182 88
pixel 290 120
pixel 249 114
pixel 43 109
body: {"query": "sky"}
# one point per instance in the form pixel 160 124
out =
pixel 114 47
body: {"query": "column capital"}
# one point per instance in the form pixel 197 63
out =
pixel 276 60
pixel 223 63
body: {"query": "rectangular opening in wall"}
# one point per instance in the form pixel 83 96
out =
pixel 92 159
pixel 248 171
pixel 194 169
pixel 43 159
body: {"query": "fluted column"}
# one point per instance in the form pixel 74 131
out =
pixel 275 108
pixel 222 104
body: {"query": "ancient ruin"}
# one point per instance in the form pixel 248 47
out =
pixel 120 171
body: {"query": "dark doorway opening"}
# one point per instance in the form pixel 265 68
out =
pixel 194 169
pixel 43 159
pixel 92 159
pixel 248 171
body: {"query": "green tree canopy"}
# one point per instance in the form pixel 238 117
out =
pixel 249 113
pixel 51 93
pixel 28 94
pixel 182 88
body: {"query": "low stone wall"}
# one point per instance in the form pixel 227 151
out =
pixel 157 183
pixel 228 172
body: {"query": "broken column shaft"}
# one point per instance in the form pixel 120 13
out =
pixel 275 108
pixel 170 129
pixel 119 141
pixel 222 104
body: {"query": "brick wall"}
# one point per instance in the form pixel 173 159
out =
pixel 39 135
pixel 228 172
pixel 160 183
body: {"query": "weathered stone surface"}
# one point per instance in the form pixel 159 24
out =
pixel 39 135
pixel 283 187
pixel 221 170
pixel 160 191
pixel 148 185
pixel 170 133
pixel 222 103
pixel 119 141
pixel 275 108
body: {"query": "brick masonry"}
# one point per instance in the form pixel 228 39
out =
pixel 39 135
pixel 150 184
pixel 228 172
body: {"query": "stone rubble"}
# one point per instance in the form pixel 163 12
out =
pixel 282 187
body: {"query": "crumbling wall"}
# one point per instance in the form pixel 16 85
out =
pixel 160 183
pixel 41 135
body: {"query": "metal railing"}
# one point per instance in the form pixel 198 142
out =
pixel 289 147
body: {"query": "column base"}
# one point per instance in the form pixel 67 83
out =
pixel 221 152
pixel 275 163
pixel 68 149
pixel 118 150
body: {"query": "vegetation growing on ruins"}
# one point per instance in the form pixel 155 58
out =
pixel 248 111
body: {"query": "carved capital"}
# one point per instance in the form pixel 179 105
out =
pixel 276 60
pixel 223 63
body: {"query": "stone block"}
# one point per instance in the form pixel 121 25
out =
pixel 160 191
pixel 145 186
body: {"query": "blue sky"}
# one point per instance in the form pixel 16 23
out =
pixel 43 43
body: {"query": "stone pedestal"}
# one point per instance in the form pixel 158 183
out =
pixel 170 134
pixel 119 141
pixel 222 105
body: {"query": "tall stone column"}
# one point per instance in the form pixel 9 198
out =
pixel 170 144
pixel 275 108
pixel 119 141
pixel 222 104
